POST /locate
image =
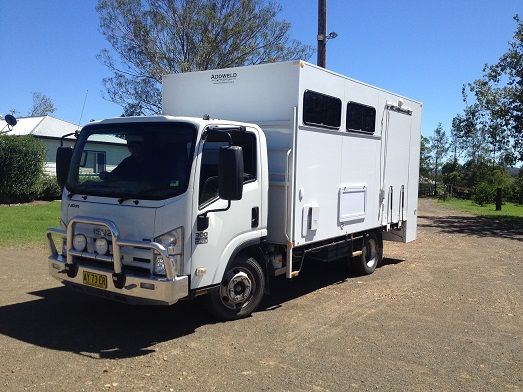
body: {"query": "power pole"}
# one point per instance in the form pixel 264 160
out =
pixel 322 33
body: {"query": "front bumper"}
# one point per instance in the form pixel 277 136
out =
pixel 159 291
pixel 121 286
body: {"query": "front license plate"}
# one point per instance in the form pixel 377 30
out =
pixel 95 280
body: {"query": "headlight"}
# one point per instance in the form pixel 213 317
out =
pixel 101 246
pixel 172 241
pixel 79 242
pixel 158 265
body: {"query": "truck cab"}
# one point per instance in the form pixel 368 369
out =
pixel 153 210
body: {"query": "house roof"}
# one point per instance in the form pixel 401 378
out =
pixel 43 126
pixel 47 126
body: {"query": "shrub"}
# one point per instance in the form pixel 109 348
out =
pixel 49 189
pixel 483 193
pixel 21 164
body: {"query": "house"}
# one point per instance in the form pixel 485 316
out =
pixel 99 155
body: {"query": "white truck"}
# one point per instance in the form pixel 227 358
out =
pixel 248 172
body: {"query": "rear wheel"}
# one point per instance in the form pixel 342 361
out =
pixel 241 290
pixel 371 253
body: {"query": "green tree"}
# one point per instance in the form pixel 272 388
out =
pixel 475 171
pixel 451 173
pixel 517 187
pixel 483 193
pixel 455 142
pixel 425 157
pixel 495 115
pixel 496 179
pixel 469 133
pixel 156 37
pixel 425 167
pixel 42 105
pixel 440 147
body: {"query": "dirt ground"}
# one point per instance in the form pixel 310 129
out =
pixel 443 313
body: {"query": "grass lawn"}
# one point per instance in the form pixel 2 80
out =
pixel 508 210
pixel 25 224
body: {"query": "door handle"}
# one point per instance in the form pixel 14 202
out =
pixel 255 217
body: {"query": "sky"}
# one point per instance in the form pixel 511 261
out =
pixel 422 49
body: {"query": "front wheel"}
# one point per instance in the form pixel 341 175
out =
pixel 241 290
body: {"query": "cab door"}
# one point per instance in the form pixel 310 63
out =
pixel 227 230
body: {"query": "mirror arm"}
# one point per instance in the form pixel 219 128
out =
pixel 75 133
pixel 217 210
pixel 202 221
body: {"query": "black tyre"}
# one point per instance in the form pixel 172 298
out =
pixel 372 253
pixel 241 290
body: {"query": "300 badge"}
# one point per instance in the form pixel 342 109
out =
pixel 201 238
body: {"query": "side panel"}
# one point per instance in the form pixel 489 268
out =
pixel 253 94
pixel 360 163
pixel 412 194
pixel 323 161
pixel 334 182
pixel 280 166
pixel 346 181
pixel 395 165
pixel 400 173
pixel 318 173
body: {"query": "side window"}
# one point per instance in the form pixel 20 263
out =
pixel 209 171
pixel 361 118
pixel 93 161
pixel 209 163
pixel 321 110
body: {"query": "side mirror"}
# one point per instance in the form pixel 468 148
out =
pixel 230 173
pixel 63 161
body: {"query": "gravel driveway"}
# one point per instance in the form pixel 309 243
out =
pixel 443 313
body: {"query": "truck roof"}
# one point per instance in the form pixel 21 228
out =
pixel 199 122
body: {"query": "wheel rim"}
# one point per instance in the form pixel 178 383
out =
pixel 371 253
pixel 238 288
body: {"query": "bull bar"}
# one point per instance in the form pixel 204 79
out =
pixel 130 288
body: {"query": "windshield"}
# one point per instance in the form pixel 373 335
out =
pixel 133 160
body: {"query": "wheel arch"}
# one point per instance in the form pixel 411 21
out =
pixel 248 256
pixel 252 248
